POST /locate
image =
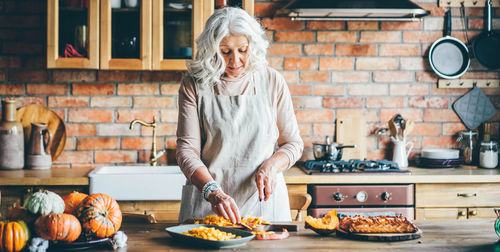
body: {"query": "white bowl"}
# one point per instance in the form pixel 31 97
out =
pixel 440 153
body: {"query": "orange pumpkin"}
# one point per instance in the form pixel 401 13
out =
pixel 58 227
pixel 19 213
pixel 72 201
pixel 100 215
pixel 13 236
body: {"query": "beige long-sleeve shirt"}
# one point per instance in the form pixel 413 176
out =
pixel 188 127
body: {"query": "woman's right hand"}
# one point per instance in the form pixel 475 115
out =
pixel 224 205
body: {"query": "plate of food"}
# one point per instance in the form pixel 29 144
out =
pixel 210 235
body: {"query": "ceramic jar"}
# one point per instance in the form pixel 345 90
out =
pixel 11 137
pixel 38 156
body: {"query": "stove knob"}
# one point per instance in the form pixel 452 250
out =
pixel 385 196
pixel 338 196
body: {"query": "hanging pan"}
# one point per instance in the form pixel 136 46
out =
pixel 448 56
pixel 487 44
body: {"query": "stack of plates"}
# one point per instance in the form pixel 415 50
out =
pixel 440 158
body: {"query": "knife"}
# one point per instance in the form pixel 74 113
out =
pixel 260 204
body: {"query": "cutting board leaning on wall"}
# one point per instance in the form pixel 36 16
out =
pixel 352 131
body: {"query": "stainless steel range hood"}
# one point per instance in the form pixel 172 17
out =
pixel 355 10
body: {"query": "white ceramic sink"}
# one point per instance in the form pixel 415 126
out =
pixel 138 182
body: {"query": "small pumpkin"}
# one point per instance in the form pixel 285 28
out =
pixel 325 225
pixel 58 227
pixel 14 235
pixel 19 213
pixel 44 202
pixel 100 215
pixel 72 201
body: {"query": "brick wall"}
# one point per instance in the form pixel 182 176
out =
pixel 334 69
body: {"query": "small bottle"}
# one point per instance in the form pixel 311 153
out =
pixel 488 154
pixel 11 137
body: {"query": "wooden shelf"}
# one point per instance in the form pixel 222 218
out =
pixel 465 83
pixel 467 3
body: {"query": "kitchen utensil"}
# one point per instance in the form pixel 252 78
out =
pixel 393 128
pixel 352 131
pixel 488 154
pixel 487 44
pixel 383 237
pixel 329 151
pixel 408 128
pixel 402 150
pixel 440 153
pixel 177 232
pixel 11 137
pixel 448 56
pixel 38 156
pixel 40 114
pixel 474 108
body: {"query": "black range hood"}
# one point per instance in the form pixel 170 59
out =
pixel 354 10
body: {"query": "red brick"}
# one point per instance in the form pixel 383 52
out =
pixel 70 144
pixel 337 36
pixel 450 129
pixel 115 156
pixel 300 89
pixel 61 113
pixel 169 89
pixel 421 36
pixel 22 48
pixel 284 49
pixel 380 36
pixel 427 129
pixel 65 101
pixel 28 100
pixel 426 77
pixel 111 102
pixel 318 49
pixel 369 115
pixel 140 143
pixel 99 143
pixel 440 115
pixel 47 89
pixel 351 77
pixel 171 143
pixel 10 61
pixel 281 23
pixel 492 91
pixel 321 129
pixel 93 89
pixel 481 75
pixel 265 9
pixel 144 157
pixel 169 115
pixel 356 50
pixel 408 89
pixel 336 63
pixel 385 102
pixel 393 76
pixel 298 36
pixel 341 102
pixel 308 141
pixel 28 75
pixel 298 102
pixel 128 115
pixel 316 77
pixel 275 62
pixel 448 91
pixel 355 25
pixel 118 129
pixel 304 129
pixel 439 142
pixel 325 25
pixel 312 102
pixel 290 77
pixel 35 62
pixel 399 50
pixel 398 26
pixel 118 76
pixel 138 89
pixel 162 76
pixel 433 24
pixel 415 115
pixel 163 129
pixel 154 102
pixel 90 115
pixel 11 89
pixel 367 90
pixel 476 23
pixel 376 63
pixel 434 9
pixel 331 89
pixel 75 157
pixel 300 63
pixel 414 63
pixel 428 102
pixel 73 76
pixel 314 115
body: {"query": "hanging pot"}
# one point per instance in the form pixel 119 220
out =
pixel 487 44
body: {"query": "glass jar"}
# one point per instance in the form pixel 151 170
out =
pixel 468 143
pixel 488 154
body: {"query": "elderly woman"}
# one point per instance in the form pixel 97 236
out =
pixel 237 130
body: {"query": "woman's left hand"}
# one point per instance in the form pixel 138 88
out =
pixel 266 179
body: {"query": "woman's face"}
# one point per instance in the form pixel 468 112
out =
pixel 234 49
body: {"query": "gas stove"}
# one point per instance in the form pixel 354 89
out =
pixel 353 166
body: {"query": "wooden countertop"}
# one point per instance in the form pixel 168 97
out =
pixel 448 235
pixel 78 176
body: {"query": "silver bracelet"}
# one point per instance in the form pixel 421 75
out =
pixel 208 188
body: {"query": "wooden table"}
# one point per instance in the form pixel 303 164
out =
pixel 442 235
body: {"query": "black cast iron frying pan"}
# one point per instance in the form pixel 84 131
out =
pixel 448 56
pixel 487 44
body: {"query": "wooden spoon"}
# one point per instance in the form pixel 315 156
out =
pixel 393 128
pixel 408 128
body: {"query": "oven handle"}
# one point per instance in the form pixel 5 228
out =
pixel 466 195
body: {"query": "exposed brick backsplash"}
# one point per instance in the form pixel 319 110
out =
pixel 333 68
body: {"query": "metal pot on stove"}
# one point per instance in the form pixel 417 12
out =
pixel 329 151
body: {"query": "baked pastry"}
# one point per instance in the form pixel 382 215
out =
pixel 377 224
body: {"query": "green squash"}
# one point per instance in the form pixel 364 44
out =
pixel 44 202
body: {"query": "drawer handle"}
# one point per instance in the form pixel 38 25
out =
pixel 466 195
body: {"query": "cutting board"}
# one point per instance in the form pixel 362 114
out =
pixel 40 114
pixel 383 237
pixel 352 131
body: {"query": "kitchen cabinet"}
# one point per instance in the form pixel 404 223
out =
pixel 456 201
pixel 153 35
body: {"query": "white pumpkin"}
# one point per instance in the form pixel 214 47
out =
pixel 44 202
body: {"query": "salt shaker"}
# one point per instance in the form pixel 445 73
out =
pixel 488 154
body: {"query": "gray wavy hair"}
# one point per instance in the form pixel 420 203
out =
pixel 209 65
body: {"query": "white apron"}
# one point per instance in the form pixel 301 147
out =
pixel 238 134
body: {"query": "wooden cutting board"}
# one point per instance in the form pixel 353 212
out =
pixel 40 114
pixel 352 131
pixel 380 236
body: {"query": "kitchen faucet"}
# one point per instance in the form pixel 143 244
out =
pixel 154 156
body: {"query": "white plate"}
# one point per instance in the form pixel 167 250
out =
pixel 440 153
